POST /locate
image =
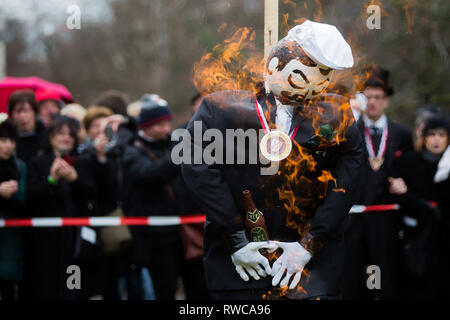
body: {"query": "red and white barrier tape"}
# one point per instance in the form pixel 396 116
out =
pixel 382 207
pixel 148 221
pixel 102 221
pixel 374 208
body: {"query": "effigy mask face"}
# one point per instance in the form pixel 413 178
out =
pixel 292 76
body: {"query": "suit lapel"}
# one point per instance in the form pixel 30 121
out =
pixel 296 118
pixel 269 108
pixel 360 126
pixel 389 142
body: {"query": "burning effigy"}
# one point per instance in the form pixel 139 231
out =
pixel 273 225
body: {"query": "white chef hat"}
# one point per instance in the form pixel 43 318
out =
pixel 323 43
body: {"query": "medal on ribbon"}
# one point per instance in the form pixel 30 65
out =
pixel 376 160
pixel 376 163
pixel 275 145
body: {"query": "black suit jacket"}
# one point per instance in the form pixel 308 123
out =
pixel 372 186
pixel 321 207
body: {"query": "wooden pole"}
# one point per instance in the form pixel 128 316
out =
pixel 270 25
pixel 2 48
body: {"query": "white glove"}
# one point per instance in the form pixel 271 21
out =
pixel 293 260
pixel 249 259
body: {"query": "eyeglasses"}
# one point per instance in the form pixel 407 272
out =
pixel 376 97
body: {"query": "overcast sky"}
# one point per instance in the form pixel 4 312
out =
pixel 53 13
pixel 45 17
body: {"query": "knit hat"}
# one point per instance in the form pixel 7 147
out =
pixel 153 110
pixel 435 122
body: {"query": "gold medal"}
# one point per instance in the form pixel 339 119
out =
pixel 275 145
pixel 376 163
pixel 376 159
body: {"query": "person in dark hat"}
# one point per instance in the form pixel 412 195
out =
pixel 422 115
pixel 150 179
pixel 372 238
pixel 421 187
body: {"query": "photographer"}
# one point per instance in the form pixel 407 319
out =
pixel 104 131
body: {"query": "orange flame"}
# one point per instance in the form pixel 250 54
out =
pixel 234 64
pixel 319 11
pixel 409 16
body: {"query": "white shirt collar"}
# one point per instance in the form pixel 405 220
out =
pixel 380 123
pixel 284 117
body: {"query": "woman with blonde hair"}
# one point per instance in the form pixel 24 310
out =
pixel 77 112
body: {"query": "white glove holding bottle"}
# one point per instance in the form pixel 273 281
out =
pixel 292 261
pixel 249 260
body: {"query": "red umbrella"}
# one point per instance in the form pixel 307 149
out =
pixel 10 84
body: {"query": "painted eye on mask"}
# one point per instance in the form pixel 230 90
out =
pixel 301 74
pixel 325 71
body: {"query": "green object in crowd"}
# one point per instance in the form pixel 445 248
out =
pixel 51 181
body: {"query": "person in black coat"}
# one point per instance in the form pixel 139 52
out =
pixel 12 198
pixel 101 270
pixel 219 189
pixel 121 131
pixel 150 176
pixel 304 198
pixel 193 273
pixel 372 238
pixel 59 185
pixel 23 111
pixel 105 268
pixel 422 187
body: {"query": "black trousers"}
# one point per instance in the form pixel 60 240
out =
pixel 371 239
pixel 194 281
pixel 248 294
pixel 165 268
pixel 7 290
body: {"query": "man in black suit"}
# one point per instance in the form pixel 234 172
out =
pixel 305 199
pixel 372 238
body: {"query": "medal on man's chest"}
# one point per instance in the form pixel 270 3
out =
pixel 376 163
pixel 275 145
pixel 376 160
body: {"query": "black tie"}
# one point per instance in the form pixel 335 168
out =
pixel 376 138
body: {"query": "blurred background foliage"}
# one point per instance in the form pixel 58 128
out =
pixel 151 45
